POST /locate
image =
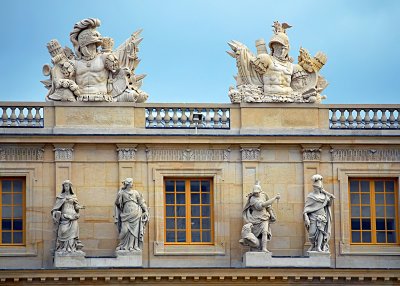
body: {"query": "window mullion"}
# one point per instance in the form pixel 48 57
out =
pixel 188 212
pixel 373 210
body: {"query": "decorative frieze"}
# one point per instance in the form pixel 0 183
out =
pixel 126 153
pixel 63 153
pixel 348 155
pixel 21 153
pixel 188 154
pixel 250 154
pixel 311 154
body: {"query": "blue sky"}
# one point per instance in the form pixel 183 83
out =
pixel 183 51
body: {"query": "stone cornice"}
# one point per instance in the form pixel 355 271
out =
pixel 220 275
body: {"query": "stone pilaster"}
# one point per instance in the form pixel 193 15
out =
pixel 63 157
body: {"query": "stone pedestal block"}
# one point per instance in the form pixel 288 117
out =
pixel 265 259
pixel 75 260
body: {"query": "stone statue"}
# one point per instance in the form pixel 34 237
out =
pixel 65 215
pixel 131 217
pixel 258 214
pixel 317 216
pixel 93 74
pixel 273 77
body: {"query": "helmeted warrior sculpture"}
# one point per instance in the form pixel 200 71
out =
pixel 91 73
pixel 273 77
pixel 317 216
pixel 258 215
pixel 131 217
pixel 65 215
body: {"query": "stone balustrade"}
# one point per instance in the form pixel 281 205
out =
pixel 364 117
pixel 30 115
pixel 243 118
pixel 188 117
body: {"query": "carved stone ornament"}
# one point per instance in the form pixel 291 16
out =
pixel 273 77
pixel 311 154
pixel 126 153
pixel 348 155
pixel 188 154
pixel 63 153
pixel 94 71
pixel 250 154
pixel 21 153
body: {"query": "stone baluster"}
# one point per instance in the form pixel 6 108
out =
pixel 208 119
pixel 4 117
pixel 367 119
pixel 159 118
pixel 216 118
pixel 359 119
pixel 342 119
pixel 384 119
pixel 350 119
pixel 150 118
pixel 167 117
pixel 13 117
pixel 184 118
pixel 392 120
pixel 224 118
pixel 397 119
pixel 29 117
pixel 334 119
pixel 37 116
pixel 175 118
pixel 375 119
pixel 21 117
pixel 191 118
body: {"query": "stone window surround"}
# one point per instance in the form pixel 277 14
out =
pixel 218 248
pixel 345 247
pixel 30 247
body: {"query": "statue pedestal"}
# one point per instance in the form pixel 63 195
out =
pixel 265 259
pixel 69 259
pixel 78 260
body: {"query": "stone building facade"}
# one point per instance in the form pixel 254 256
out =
pixel 225 147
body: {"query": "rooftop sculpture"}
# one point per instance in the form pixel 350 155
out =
pixel 273 77
pixel 94 72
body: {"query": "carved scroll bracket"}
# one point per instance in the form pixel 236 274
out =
pixel 311 153
pixel 63 152
pixel 250 153
pixel 126 152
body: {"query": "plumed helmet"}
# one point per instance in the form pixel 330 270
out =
pixel 257 188
pixel 279 35
pixel 85 33
pixel 280 38
pixel 89 36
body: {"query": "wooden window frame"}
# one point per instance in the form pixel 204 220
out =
pixel 372 206
pixel 23 205
pixel 188 205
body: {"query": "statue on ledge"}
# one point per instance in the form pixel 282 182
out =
pixel 318 216
pixel 273 77
pixel 131 217
pixel 93 74
pixel 258 215
pixel 65 215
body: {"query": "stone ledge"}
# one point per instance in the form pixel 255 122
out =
pixel 126 259
pixel 265 259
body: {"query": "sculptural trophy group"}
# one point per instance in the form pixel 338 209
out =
pixel 258 215
pixel 131 218
pixel 94 71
